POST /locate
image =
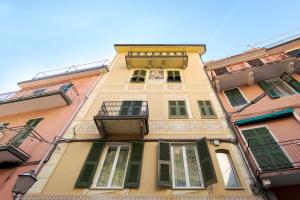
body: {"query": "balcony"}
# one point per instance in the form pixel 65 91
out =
pixel 15 146
pixel 37 98
pixel 126 118
pixel 156 59
pixel 281 169
pixel 250 75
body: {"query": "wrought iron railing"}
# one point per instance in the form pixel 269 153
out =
pixel 67 88
pixel 124 109
pixel 289 158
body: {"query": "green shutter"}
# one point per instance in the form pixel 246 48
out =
pixel 88 170
pixel 207 168
pixel 235 97
pixel 266 87
pixel 164 165
pixel 177 109
pixel 206 109
pixel 134 169
pixel 291 81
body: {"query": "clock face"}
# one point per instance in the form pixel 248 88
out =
pixel 156 75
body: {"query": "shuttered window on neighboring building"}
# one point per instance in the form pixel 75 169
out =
pixel 294 53
pixel 185 165
pixel 177 109
pixel 121 167
pixel 173 76
pixel 138 76
pixel 23 134
pixel 235 97
pixel 221 71
pixel 276 88
pixel 206 109
pixel 3 125
pixel 65 88
pixel 255 62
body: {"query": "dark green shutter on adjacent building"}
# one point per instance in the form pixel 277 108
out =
pixel 88 170
pixel 265 149
pixel 164 165
pixel 235 97
pixel 133 174
pixel 291 81
pixel 207 168
pixel 266 87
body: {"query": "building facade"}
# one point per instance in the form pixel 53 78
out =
pixel 33 118
pixel 259 90
pixel 151 129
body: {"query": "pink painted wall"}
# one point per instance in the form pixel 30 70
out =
pixel 54 121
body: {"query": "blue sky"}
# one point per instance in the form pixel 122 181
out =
pixel 42 35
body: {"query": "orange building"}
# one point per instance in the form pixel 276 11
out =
pixel 32 119
pixel 259 89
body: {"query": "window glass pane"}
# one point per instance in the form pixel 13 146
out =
pixel 235 97
pixel 229 176
pixel 192 166
pixel 119 175
pixel 107 166
pixel 178 166
pixel 282 89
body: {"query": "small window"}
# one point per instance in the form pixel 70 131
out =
pixel 138 76
pixel 221 71
pixel 174 76
pixel 228 172
pixel 3 125
pixel 38 92
pixel 294 53
pixel 65 88
pixel 206 109
pixel 255 63
pixel 113 169
pixel 185 166
pixel 235 97
pixel 281 87
pixel 177 109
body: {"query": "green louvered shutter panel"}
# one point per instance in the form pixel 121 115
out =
pixel 181 108
pixel 88 170
pixel 207 168
pixel 164 165
pixel 291 81
pixel 134 169
pixel 265 86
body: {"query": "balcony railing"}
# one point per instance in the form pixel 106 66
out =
pixel 16 144
pixel 288 156
pixel 123 117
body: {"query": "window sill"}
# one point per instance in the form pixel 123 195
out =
pixel 237 188
pixel 209 117
pixel 178 117
pixel 190 188
pixel 96 188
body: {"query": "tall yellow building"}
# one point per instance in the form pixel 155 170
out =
pixel 151 129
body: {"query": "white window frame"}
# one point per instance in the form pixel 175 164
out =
pixel 112 172
pixel 180 73
pixel 224 151
pixel 285 84
pixel 131 74
pixel 186 167
pixel 235 107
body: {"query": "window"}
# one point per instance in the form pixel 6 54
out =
pixel 65 87
pixel 294 53
pixel 177 109
pixel 281 88
pixel 206 109
pixel 22 135
pixel 255 63
pixel 113 169
pixel 185 166
pixel 3 125
pixel 221 71
pixel 138 76
pixel 227 170
pixel 174 76
pixel 120 166
pixel 38 92
pixel 235 97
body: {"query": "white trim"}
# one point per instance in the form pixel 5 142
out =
pixel 235 107
pixel 112 172
pixel 185 165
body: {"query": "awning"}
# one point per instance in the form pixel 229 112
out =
pixel 275 115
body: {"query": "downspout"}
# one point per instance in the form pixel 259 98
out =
pixel 64 129
pixel 254 179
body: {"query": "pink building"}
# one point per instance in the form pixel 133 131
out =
pixel 259 89
pixel 32 119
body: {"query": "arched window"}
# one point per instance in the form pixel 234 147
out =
pixel 228 173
